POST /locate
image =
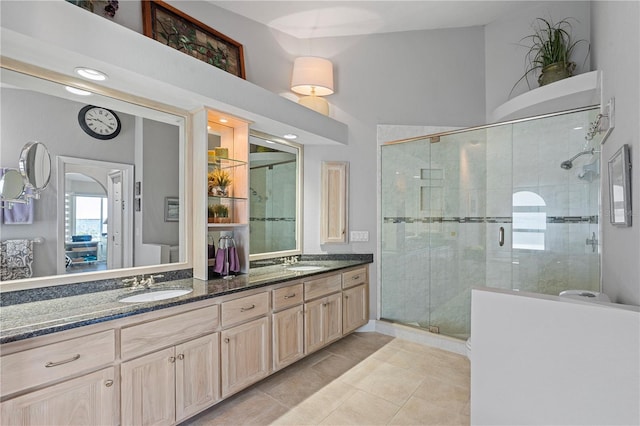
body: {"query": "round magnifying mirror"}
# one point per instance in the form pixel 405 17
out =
pixel 11 185
pixel 35 165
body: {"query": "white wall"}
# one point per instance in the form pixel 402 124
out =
pixel 547 360
pixel 505 54
pixel 161 171
pixel 616 51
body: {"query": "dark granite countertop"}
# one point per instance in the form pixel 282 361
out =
pixel 48 315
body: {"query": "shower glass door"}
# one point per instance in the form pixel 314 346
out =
pixel 486 207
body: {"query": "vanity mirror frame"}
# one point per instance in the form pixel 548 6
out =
pixel 186 180
pixel 299 195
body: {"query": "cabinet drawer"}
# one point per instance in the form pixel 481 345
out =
pixel 353 278
pixel 33 367
pixel 322 286
pixel 144 338
pixel 244 308
pixel 287 296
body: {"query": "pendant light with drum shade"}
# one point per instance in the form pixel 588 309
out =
pixel 313 78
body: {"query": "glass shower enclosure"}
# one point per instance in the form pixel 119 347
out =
pixel 495 206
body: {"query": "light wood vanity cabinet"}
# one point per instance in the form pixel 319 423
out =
pixel 167 365
pixel 245 355
pixel 322 312
pixel 71 398
pixel 288 325
pixel 355 303
pixel 172 384
pixel 245 348
pixel 86 400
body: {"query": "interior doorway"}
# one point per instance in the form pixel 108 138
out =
pixel 94 201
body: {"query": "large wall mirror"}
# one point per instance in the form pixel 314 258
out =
pixel 115 202
pixel 275 197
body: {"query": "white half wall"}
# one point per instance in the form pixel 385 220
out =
pixel 547 360
pixel 616 51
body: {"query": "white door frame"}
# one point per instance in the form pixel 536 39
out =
pixel 105 169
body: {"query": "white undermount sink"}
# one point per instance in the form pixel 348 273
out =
pixel 304 268
pixel 154 296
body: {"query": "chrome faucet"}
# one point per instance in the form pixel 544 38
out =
pixel 134 282
pixel 286 261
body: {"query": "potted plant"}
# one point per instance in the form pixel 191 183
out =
pixel 218 213
pixel 550 51
pixel 219 181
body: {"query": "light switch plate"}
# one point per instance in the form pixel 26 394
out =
pixel 359 236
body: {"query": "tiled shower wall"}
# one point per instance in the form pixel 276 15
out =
pixel 273 208
pixel 444 201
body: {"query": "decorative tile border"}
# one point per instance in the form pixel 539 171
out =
pixel 272 219
pixel 497 219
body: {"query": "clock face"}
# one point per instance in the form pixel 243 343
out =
pixel 98 122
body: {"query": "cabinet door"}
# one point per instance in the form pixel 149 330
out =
pixel 87 400
pixel 334 201
pixel 355 312
pixel 322 322
pixel 314 325
pixel 148 389
pixel 288 337
pixel 245 355
pixel 197 372
pixel 333 318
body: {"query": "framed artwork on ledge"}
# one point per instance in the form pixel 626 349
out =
pixel 176 29
pixel 171 209
pixel 620 187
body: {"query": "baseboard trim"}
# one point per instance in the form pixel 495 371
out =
pixel 416 335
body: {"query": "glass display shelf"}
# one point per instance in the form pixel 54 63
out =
pixel 225 163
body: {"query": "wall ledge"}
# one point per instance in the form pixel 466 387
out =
pixel 574 92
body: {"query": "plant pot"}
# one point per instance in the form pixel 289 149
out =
pixel 211 220
pixel 221 220
pixel 220 191
pixel 556 71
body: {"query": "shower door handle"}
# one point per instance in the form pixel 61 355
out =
pixel 501 236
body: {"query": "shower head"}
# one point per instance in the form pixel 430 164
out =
pixel 567 164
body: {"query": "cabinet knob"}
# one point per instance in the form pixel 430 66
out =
pixel 172 359
pixel 226 340
pixel 346 296
pixel 108 383
pixel 180 357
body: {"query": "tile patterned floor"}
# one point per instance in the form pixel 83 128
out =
pixel 363 379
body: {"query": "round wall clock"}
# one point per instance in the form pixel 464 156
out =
pixel 98 122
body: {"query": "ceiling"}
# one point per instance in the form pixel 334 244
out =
pixel 311 19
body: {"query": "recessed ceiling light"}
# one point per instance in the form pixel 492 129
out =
pixel 77 91
pixel 224 120
pixel 290 136
pixel 91 74
pixel 577 128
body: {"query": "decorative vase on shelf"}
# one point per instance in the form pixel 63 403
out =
pixel 220 191
pixel 555 72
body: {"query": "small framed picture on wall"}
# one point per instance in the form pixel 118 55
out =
pixel 620 187
pixel 171 209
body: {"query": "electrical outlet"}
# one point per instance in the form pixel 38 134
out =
pixel 359 236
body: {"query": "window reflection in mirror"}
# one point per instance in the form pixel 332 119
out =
pixel 130 174
pixel 275 197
